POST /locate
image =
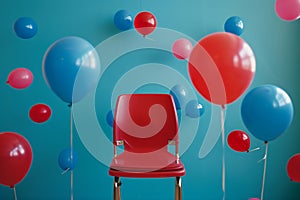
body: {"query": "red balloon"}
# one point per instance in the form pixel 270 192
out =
pixel 239 141
pixel 221 67
pixel 15 158
pixel 293 168
pixel 40 113
pixel 145 23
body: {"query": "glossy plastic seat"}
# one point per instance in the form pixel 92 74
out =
pixel 145 124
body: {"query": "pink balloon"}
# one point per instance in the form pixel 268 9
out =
pixel 20 78
pixel 254 198
pixel 182 48
pixel 288 10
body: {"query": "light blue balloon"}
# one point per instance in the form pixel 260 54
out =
pixel 234 25
pixel 179 95
pixel 194 109
pixel 25 27
pixel 267 111
pixel 71 67
pixel 68 159
pixel 123 20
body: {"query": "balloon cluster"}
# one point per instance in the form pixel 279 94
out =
pixel 15 150
pixel 144 22
pixel 71 67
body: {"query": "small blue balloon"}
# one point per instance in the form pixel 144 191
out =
pixel 123 20
pixel 267 111
pixel 179 95
pixel 110 118
pixel 194 109
pixel 71 68
pixel 25 27
pixel 234 25
pixel 67 159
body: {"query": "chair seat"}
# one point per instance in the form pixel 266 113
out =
pixel 153 164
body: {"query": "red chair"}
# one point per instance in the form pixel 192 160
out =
pixel 145 124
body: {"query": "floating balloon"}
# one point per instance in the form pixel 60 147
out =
pixel 221 67
pixel 40 113
pixel 110 118
pixel 293 168
pixel 71 68
pixel 145 23
pixel 239 141
pixel 234 25
pixel 25 27
pixel 194 109
pixel 179 95
pixel 20 78
pixel 267 111
pixel 123 20
pixel 67 159
pixel 288 10
pixel 15 158
pixel 182 48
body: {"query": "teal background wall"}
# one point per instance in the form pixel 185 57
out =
pixel 276 45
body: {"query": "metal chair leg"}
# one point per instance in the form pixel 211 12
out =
pixel 117 185
pixel 178 189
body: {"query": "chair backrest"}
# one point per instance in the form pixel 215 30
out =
pixel 145 122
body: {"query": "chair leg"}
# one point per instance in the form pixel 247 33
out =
pixel 178 189
pixel 117 185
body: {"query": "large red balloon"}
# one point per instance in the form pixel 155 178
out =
pixel 293 168
pixel 40 113
pixel 221 67
pixel 145 23
pixel 15 158
pixel 239 141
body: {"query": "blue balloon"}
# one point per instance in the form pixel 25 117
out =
pixel 67 159
pixel 234 25
pixel 179 95
pixel 123 20
pixel 194 109
pixel 25 27
pixel 71 68
pixel 267 111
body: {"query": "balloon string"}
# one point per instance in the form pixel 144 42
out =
pixel 71 185
pixel 265 171
pixel 71 153
pixel 255 149
pixel 223 149
pixel 15 193
pixel 148 38
pixel 65 171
